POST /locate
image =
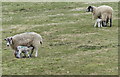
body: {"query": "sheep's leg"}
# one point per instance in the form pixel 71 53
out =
pixel 104 19
pixel 111 22
pixel 107 20
pixel 36 52
pixel 32 51
pixel 15 53
pixel 103 23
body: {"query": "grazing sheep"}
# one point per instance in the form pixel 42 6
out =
pixel 23 49
pixel 98 22
pixel 30 39
pixel 103 12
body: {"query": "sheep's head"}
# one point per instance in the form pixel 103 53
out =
pixel 9 41
pixel 89 9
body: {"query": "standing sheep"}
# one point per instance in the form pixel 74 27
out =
pixel 103 12
pixel 29 39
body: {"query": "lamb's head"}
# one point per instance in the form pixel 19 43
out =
pixel 89 9
pixel 8 41
pixel 17 54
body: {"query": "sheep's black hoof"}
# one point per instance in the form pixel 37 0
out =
pixel 28 57
pixel 18 57
pixel 105 26
pixel 24 57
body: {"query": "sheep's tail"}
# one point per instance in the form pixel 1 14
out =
pixel 41 42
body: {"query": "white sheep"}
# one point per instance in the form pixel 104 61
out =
pixel 25 39
pixel 23 49
pixel 102 12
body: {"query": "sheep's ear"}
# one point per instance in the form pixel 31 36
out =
pixel 41 42
pixel 10 38
pixel 91 8
pixel 5 39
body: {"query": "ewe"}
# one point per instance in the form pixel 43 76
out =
pixel 102 12
pixel 29 39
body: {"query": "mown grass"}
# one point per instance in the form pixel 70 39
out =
pixel 72 46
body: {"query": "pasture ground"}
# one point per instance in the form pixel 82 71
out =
pixel 71 45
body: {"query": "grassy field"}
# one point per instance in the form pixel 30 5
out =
pixel 71 45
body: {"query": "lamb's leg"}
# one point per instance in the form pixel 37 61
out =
pixel 18 54
pixel 104 23
pixel 24 54
pixel 99 24
pixel 95 23
pixel 111 22
pixel 27 54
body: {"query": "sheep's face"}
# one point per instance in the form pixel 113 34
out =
pixel 89 9
pixel 8 40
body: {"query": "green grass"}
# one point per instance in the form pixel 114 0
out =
pixel 71 45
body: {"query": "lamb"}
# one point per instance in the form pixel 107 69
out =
pixel 98 22
pixel 29 39
pixel 23 49
pixel 102 12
